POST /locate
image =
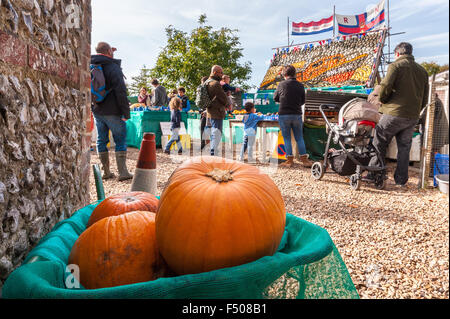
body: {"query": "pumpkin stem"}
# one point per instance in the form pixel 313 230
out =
pixel 220 175
pixel 130 199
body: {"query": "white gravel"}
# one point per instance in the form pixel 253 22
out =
pixel 394 242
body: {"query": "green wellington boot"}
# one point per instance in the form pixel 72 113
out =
pixel 104 159
pixel 121 160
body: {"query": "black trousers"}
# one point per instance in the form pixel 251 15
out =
pixel 402 129
pixel 202 129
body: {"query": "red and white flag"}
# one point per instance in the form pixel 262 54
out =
pixel 313 27
pixel 367 21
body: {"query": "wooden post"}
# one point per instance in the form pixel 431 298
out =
pixel 427 146
pixel 378 77
pixel 378 59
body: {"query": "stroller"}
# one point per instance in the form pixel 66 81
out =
pixel 353 133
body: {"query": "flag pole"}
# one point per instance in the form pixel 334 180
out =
pixel 334 21
pixel 389 35
pixel 288 31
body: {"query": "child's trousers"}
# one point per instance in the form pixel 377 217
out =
pixel 249 143
pixel 175 138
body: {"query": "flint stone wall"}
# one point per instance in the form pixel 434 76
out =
pixel 45 120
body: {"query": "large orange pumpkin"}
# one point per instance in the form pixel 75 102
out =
pixel 124 203
pixel 118 250
pixel 217 213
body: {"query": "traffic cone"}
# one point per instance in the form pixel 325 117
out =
pixel 144 179
pixel 279 154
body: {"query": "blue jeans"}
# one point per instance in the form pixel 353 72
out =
pixel 175 138
pixel 118 128
pixel 216 135
pixel 294 123
pixel 249 143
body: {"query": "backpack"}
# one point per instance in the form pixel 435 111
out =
pixel 203 100
pixel 98 84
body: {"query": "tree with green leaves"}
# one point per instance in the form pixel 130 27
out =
pixel 434 68
pixel 142 80
pixel 188 57
pixel 443 68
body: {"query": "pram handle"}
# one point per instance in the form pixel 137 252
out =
pixel 330 107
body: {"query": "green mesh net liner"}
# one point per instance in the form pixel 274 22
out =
pixel 306 266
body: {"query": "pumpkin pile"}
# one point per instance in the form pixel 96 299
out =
pixel 123 203
pixel 119 245
pixel 214 213
pixel 217 213
pixel 118 250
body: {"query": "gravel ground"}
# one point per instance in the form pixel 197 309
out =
pixel 394 242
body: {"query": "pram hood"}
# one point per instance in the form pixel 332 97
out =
pixel 359 109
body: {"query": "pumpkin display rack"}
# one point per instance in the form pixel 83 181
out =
pixel 341 62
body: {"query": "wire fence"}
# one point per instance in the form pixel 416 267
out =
pixel 436 128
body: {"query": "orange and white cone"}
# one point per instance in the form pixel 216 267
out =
pixel 144 179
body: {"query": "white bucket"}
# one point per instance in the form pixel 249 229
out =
pixel 443 183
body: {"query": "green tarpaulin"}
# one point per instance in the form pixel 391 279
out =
pixel 265 104
pixel 147 122
pixel 316 138
pixel 263 101
pixel 133 99
pixel 193 129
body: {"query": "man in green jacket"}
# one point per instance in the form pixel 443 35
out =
pixel 403 94
pixel 217 109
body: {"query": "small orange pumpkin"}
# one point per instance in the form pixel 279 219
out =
pixel 217 213
pixel 124 203
pixel 118 250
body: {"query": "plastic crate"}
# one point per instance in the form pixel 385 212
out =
pixel 440 166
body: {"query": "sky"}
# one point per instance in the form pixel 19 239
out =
pixel 137 27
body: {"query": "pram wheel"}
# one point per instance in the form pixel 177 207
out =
pixel 355 182
pixel 317 171
pixel 380 182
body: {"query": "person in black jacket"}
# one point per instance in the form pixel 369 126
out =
pixel 291 96
pixel 205 122
pixel 111 114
